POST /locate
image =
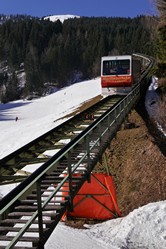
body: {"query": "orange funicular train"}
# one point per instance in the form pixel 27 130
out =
pixel 119 73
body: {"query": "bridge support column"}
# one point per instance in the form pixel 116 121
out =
pixel 70 182
pixel 104 163
pixel 40 219
pixel 105 159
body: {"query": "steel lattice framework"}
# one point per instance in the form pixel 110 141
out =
pixel 38 203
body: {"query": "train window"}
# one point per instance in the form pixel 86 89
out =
pixel 106 67
pixel 116 67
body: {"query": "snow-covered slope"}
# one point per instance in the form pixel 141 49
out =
pixel 61 18
pixel 35 117
pixel 144 228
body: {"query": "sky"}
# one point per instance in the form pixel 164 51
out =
pixel 96 8
pixel 144 227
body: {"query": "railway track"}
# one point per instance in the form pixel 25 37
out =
pixel 32 210
pixel 40 150
pixel 65 157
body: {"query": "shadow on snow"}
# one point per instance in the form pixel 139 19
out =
pixel 4 110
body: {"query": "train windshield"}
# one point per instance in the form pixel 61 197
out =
pixel 116 67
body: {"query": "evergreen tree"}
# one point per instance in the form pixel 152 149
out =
pixel 34 82
pixel 12 89
pixel 54 52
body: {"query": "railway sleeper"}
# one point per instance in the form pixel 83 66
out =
pixel 34 208
pixel 55 178
pixel 6 229
pixel 24 238
pixel 17 215
pixel 55 201
pixel 12 222
pixel 19 247
pixel 74 179
pixel 34 196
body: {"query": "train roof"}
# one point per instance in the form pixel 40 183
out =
pixel 116 57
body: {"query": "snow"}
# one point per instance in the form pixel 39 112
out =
pixel 61 18
pixel 152 98
pixel 143 228
pixel 152 103
pixel 37 116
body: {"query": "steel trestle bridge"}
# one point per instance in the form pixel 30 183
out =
pixel 31 211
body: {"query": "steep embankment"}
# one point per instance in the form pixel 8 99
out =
pixel 137 165
pixel 136 162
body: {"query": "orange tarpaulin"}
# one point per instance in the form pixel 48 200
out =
pixel 96 200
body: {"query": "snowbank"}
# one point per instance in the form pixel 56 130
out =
pixel 144 228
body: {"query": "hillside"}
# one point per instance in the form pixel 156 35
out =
pixel 137 166
pixel 137 162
